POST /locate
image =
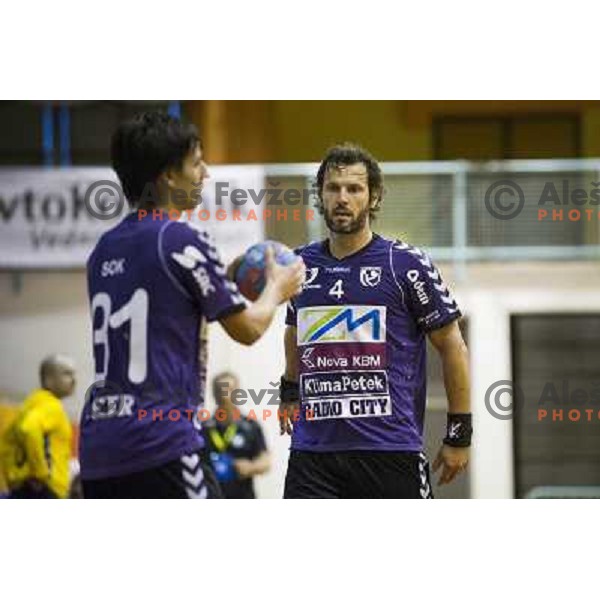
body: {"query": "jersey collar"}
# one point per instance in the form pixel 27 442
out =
pixel 325 249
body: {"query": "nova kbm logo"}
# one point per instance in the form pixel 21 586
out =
pixel 323 324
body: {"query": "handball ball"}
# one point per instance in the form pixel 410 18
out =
pixel 250 274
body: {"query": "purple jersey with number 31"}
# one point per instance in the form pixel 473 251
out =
pixel 153 284
pixel 361 326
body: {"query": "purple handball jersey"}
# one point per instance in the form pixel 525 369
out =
pixel 361 327
pixel 153 286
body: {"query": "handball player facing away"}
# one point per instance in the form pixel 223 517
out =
pixel 153 283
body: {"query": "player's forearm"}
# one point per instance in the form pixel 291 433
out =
pixel 248 326
pixel 291 354
pixel 455 364
pixel 260 314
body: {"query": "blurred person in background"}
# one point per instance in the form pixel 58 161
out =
pixel 236 444
pixel 8 413
pixel 36 449
pixel 355 347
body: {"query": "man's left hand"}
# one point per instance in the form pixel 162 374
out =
pixel 453 460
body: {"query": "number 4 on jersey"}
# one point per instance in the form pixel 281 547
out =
pixel 337 289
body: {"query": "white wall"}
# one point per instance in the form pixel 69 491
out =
pixel 490 296
pixel 48 314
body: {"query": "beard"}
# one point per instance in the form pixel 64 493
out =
pixel 352 225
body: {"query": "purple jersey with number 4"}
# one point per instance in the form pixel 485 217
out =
pixel 153 285
pixel 361 335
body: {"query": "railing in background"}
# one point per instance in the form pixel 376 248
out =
pixel 554 492
pixel 441 206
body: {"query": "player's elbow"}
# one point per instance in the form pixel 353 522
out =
pixel 247 337
pixel 448 340
pixel 242 328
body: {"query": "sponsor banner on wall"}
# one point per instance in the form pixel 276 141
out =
pixel 51 218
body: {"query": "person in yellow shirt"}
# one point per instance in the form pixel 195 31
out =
pixel 36 449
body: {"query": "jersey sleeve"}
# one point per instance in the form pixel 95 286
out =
pixel 426 296
pixel 194 264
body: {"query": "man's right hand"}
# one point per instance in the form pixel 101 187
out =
pixel 285 280
pixel 288 414
pixel 282 283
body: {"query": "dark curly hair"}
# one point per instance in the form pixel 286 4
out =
pixel 145 146
pixel 346 154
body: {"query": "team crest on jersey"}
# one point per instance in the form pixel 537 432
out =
pixel 325 324
pixel 311 275
pixel 370 276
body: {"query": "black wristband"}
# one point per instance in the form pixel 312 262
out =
pixel 289 391
pixel 459 429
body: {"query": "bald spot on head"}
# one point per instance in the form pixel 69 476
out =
pixel 57 375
